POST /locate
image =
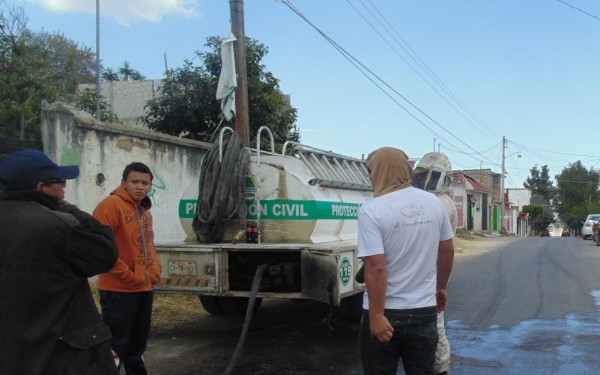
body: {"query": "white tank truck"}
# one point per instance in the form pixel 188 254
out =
pixel 301 226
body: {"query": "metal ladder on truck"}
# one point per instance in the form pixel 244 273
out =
pixel 331 169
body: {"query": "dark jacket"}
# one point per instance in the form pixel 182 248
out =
pixel 49 323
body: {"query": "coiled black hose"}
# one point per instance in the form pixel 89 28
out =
pixel 221 189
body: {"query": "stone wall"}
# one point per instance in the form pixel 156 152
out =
pixel 73 137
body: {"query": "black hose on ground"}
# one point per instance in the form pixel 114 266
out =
pixel 254 291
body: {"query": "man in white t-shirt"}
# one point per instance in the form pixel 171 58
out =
pixel 403 233
pixel 433 173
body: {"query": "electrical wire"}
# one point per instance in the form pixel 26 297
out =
pixel 400 41
pixel 390 92
pixel 578 9
pixel 371 76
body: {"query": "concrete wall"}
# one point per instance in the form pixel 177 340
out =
pixel 127 99
pixel 73 137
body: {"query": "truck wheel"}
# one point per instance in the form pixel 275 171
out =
pixel 237 306
pixel 211 305
pixel 351 308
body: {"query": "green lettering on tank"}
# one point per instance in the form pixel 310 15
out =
pixel 187 208
pixel 284 209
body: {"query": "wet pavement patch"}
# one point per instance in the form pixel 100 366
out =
pixel 561 346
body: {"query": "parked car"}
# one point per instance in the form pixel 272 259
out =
pixel 545 233
pixel 566 233
pixel 586 230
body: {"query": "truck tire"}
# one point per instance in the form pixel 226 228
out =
pixel 211 305
pixel 237 306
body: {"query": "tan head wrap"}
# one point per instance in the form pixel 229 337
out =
pixel 390 170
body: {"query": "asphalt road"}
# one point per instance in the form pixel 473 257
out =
pixel 521 306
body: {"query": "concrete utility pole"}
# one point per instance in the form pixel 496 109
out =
pixel 502 226
pixel 242 121
pixel 504 156
pixel 98 60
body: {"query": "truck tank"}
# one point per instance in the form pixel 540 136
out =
pixel 303 195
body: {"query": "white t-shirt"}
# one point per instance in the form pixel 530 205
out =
pixel 407 226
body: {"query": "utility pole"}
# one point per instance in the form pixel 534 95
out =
pixel 502 227
pixel 242 121
pixel 98 60
pixel 166 65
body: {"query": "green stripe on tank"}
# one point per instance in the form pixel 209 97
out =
pixel 284 209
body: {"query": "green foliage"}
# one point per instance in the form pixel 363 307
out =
pixel 187 105
pixel 578 194
pixel 533 210
pixel 35 68
pixel 542 189
pixel 543 193
pixel 86 101
pixel 541 216
pixel 125 72
pixel 68 63
pixel 110 75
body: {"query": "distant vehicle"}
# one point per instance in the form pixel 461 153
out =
pixel 545 233
pixel 566 233
pixel 586 230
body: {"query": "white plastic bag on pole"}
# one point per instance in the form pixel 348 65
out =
pixel 228 79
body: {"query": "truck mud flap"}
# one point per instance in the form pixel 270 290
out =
pixel 329 277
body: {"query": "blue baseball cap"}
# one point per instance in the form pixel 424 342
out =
pixel 23 170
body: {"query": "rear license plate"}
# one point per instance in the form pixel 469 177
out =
pixel 182 268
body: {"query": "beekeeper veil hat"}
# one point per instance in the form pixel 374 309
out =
pixel 433 173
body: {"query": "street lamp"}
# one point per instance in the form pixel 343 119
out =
pixel 502 208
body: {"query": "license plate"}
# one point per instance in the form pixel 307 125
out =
pixel 182 268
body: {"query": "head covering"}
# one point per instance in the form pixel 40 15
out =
pixel 433 172
pixel 23 170
pixel 390 170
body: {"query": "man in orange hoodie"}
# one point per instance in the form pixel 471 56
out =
pixel 126 292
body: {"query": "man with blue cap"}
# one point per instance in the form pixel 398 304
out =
pixel 48 249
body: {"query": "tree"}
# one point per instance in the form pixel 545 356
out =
pixel 35 67
pixel 23 74
pixel 110 75
pixel 126 71
pixel 578 193
pixel 540 216
pixel 542 188
pixel 68 63
pixel 187 105
pixel 86 101
pixel 543 193
pixel 137 76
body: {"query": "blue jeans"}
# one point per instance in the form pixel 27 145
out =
pixel 415 339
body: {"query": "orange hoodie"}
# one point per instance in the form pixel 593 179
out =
pixel 138 268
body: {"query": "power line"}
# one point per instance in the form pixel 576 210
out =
pixel 364 70
pixel 395 35
pixel 578 9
